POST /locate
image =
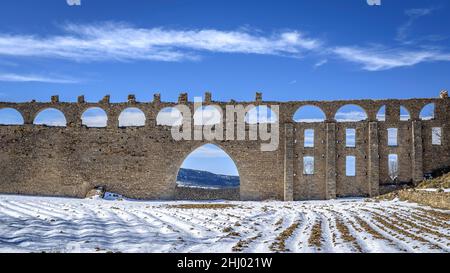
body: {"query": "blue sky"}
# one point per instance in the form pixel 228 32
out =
pixel 289 50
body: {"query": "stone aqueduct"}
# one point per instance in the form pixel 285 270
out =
pixel 142 162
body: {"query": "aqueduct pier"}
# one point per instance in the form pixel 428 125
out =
pixel 143 162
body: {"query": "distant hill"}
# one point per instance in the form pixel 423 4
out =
pixel 197 178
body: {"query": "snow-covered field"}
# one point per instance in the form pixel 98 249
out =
pixel 35 224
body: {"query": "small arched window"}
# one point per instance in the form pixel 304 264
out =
pixel 309 114
pixel 207 115
pixel 50 117
pixel 94 117
pixel 428 112
pixel 132 116
pixel 381 114
pixel 404 114
pixel 350 113
pixel 10 116
pixel 169 116
pixel 260 114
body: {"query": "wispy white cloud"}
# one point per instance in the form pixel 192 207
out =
pixel 320 63
pixel 11 77
pixel 413 15
pixel 122 42
pixel 116 41
pixel 376 58
pixel 73 2
pixel 95 121
pixel 350 116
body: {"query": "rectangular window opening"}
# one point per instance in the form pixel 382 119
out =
pixel 393 166
pixel 350 165
pixel 309 138
pixel 392 137
pixel 308 165
pixel 436 136
pixel 350 137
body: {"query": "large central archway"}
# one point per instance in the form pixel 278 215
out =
pixel 208 173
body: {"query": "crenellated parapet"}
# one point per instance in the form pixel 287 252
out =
pixel 74 111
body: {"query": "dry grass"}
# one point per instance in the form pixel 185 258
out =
pixel 420 228
pixel 375 234
pixel 315 239
pixel 346 235
pixel 242 244
pixel 437 214
pixel 398 226
pixel 438 182
pixel 201 206
pixel 280 242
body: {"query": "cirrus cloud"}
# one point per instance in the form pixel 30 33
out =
pixel 122 42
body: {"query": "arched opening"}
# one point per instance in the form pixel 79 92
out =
pixel 50 117
pixel 10 116
pixel 428 112
pixel 350 113
pixel 207 115
pixel 208 173
pixel 309 114
pixel 260 114
pixel 381 114
pixel 132 116
pixel 404 114
pixel 169 116
pixel 94 117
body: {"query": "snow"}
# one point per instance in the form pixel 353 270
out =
pixel 433 190
pixel 36 224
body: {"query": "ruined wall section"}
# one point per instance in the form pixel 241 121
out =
pixel 143 162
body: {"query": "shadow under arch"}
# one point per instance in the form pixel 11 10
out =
pixel 227 187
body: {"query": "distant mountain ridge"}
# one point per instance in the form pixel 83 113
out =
pixel 197 178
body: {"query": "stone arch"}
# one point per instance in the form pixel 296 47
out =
pixel 216 148
pixel 11 116
pixel 309 114
pixel 169 116
pixel 381 113
pixel 208 115
pixel 94 117
pixel 404 113
pixel 132 117
pixel 50 117
pixel 428 112
pixel 260 114
pixel 350 113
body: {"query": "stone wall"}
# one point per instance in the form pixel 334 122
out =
pixel 142 162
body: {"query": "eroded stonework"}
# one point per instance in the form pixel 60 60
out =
pixel 142 162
